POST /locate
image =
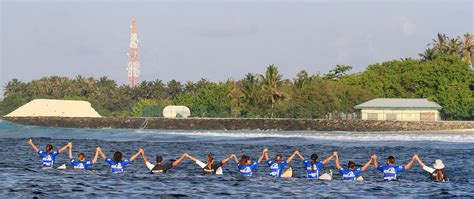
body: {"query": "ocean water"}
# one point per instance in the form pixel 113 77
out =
pixel 22 176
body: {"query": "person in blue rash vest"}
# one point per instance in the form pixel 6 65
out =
pixel 351 173
pixel 313 166
pixel 390 171
pixel 80 162
pixel 276 167
pixel 117 164
pixel 245 165
pixel 49 155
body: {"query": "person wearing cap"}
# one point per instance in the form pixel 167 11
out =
pixel 437 171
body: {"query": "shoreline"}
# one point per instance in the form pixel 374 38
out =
pixel 262 124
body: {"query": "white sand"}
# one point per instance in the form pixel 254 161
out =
pixel 55 108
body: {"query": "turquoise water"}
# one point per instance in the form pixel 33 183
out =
pixel 22 176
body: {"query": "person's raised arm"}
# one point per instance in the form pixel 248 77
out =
pixel 325 161
pixel 224 161
pixel 136 155
pixel 265 151
pixel 96 156
pixel 30 141
pixel 65 147
pixel 291 157
pixel 235 158
pixel 376 164
pixel 192 158
pixel 338 166
pixel 422 164
pixel 176 162
pixel 145 160
pixel 366 165
pixel 101 153
pixel 299 155
pixel 407 166
pixel 70 150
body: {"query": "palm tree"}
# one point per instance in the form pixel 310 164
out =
pixel 271 84
pixel 467 48
pixel 429 54
pixel 453 46
pixel 302 79
pixel 440 44
pixel 12 87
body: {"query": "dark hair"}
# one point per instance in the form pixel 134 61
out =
pixel 117 156
pixel 159 159
pixel 49 147
pixel 391 159
pixel 351 164
pixel 210 158
pixel 278 155
pixel 244 160
pixel 81 154
pixel 314 156
pixel 439 175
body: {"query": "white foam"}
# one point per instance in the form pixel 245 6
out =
pixel 339 136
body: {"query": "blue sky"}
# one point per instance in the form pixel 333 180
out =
pixel 189 40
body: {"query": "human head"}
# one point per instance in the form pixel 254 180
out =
pixel 49 148
pixel 118 156
pixel 391 160
pixel 351 165
pixel 159 159
pixel 210 159
pixel 245 159
pixel 81 156
pixel 314 157
pixel 278 158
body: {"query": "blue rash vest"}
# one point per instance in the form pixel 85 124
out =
pixel 276 168
pixel 117 167
pixel 48 158
pixel 80 164
pixel 349 174
pixel 247 169
pixel 390 172
pixel 313 169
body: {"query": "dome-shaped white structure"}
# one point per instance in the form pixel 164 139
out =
pixel 176 112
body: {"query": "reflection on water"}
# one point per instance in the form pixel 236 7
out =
pixel 22 176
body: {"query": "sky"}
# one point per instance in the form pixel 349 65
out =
pixel 217 40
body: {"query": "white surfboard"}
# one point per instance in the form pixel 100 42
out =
pixel 219 171
pixel 287 174
pixel 326 176
pixel 360 178
pixel 62 167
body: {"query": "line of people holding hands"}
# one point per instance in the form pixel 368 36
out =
pixel 245 165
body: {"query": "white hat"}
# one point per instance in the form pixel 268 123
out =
pixel 438 164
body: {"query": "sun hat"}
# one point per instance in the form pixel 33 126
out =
pixel 438 164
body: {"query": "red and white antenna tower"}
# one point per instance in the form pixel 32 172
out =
pixel 133 65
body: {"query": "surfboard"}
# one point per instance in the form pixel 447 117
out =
pixel 326 176
pixel 287 174
pixel 219 171
pixel 62 167
pixel 360 178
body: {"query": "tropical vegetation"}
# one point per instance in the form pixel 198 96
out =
pixel 443 74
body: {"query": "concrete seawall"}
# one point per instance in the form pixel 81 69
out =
pixel 242 124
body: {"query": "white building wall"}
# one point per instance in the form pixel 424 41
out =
pixel 399 114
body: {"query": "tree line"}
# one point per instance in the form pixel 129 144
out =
pixel 442 74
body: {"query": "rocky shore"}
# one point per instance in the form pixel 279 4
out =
pixel 242 124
